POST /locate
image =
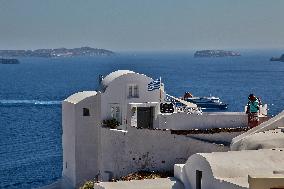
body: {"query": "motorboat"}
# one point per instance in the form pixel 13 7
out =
pixel 205 103
pixel 210 102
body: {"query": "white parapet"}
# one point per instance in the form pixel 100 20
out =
pixel 185 121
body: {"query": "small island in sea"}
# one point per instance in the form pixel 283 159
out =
pixel 215 53
pixel 281 58
pixel 59 52
pixel 9 61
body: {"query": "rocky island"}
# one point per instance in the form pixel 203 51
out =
pixel 215 53
pixel 9 61
pixel 59 52
pixel 281 58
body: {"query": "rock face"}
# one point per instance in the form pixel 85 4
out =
pixel 60 52
pixel 215 53
pixel 281 59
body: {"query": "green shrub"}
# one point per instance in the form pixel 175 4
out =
pixel 111 123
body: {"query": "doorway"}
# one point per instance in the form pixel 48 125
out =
pixel 198 179
pixel 145 117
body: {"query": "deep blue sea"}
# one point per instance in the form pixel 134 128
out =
pixel 30 95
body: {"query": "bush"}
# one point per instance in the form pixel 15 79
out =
pixel 88 185
pixel 111 123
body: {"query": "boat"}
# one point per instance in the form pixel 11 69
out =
pixel 211 102
pixel 281 58
pixel 205 103
pixel 9 61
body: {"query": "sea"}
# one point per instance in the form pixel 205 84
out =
pixel 31 94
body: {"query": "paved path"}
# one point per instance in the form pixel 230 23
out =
pixel 160 183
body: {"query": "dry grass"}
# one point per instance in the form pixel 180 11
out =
pixel 140 175
pixel 88 185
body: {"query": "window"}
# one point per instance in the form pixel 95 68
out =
pixel 130 91
pixel 136 93
pixel 86 112
pixel 133 91
pixel 115 112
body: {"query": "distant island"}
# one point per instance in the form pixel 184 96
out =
pixel 9 61
pixel 59 52
pixel 215 53
pixel 281 59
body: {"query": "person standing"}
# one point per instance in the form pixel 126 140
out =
pixel 252 111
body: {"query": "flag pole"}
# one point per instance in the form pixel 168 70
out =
pixel 160 89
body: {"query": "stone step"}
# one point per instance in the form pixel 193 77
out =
pixel 159 183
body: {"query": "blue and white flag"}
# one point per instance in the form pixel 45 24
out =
pixel 155 84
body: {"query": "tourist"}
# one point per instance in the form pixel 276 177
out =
pixel 252 111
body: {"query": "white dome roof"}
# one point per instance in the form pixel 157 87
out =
pixel 78 97
pixel 113 75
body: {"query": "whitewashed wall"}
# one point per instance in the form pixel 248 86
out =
pixel 90 151
pixel 81 139
pixel 117 92
pixel 103 153
pixel 68 142
pixel 184 121
pixel 87 139
pixel 143 149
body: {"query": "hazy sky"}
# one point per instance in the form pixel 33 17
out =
pixel 142 24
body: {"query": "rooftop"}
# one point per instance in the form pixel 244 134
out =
pixel 77 97
pixel 113 75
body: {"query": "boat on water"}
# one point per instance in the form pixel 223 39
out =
pixel 210 103
pixel 9 61
pixel 281 58
pixel 205 103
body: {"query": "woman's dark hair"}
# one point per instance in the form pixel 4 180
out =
pixel 251 96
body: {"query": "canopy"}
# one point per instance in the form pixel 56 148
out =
pixel 188 104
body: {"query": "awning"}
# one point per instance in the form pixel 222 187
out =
pixel 188 104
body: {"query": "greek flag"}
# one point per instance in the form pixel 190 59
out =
pixel 154 85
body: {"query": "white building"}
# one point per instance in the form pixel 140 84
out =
pixel 259 164
pixel 91 150
pixel 259 159
pixel 267 135
pixel 228 170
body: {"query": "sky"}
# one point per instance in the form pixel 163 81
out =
pixel 142 25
